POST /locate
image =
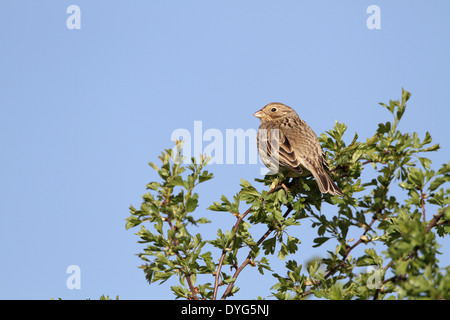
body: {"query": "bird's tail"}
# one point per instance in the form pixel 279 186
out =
pixel 326 184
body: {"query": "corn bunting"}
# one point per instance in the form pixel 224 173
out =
pixel 296 148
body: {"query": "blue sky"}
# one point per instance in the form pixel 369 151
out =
pixel 83 111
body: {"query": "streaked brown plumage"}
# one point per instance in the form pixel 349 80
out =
pixel 299 151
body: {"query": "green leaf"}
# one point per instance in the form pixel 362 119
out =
pixel 402 267
pixel 177 181
pixel 283 252
pixel 229 280
pixel 425 162
pixel 405 96
pixel 132 222
pixel 400 112
pixel 432 148
pixel 154 166
pixel 319 241
pixel 180 292
pixel 384 128
pixel 370 258
pixel 216 206
pixel 269 245
pixel 427 139
pixel 443 176
pixel 292 244
pixel 191 204
pixel 153 185
pixel 357 155
pixel 205 176
pixel 161 276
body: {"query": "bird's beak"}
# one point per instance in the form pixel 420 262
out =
pixel 259 114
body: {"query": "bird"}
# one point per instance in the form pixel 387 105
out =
pixel 287 144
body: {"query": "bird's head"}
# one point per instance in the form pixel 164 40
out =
pixel 274 111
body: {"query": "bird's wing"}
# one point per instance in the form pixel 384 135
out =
pixel 287 155
pixel 275 149
pixel 308 153
pixel 298 137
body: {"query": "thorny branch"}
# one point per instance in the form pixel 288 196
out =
pixel 344 258
pixel 433 223
pixel 186 273
pixel 222 257
pixel 249 256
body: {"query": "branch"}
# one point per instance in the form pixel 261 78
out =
pixel 422 203
pixel 347 253
pixel 433 223
pixel 249 256
pixel 224 251
pixel 192 289
pixel 349 249
pixel 436 218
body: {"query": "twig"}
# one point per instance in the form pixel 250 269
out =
pixel 349 249
pixel 187 275
pixel 347 252
pixel 422 204
pixel 224 251
pixel 436 218
pixel 249 256
pixel 431 225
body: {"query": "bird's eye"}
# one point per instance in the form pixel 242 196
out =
pixel 273 109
